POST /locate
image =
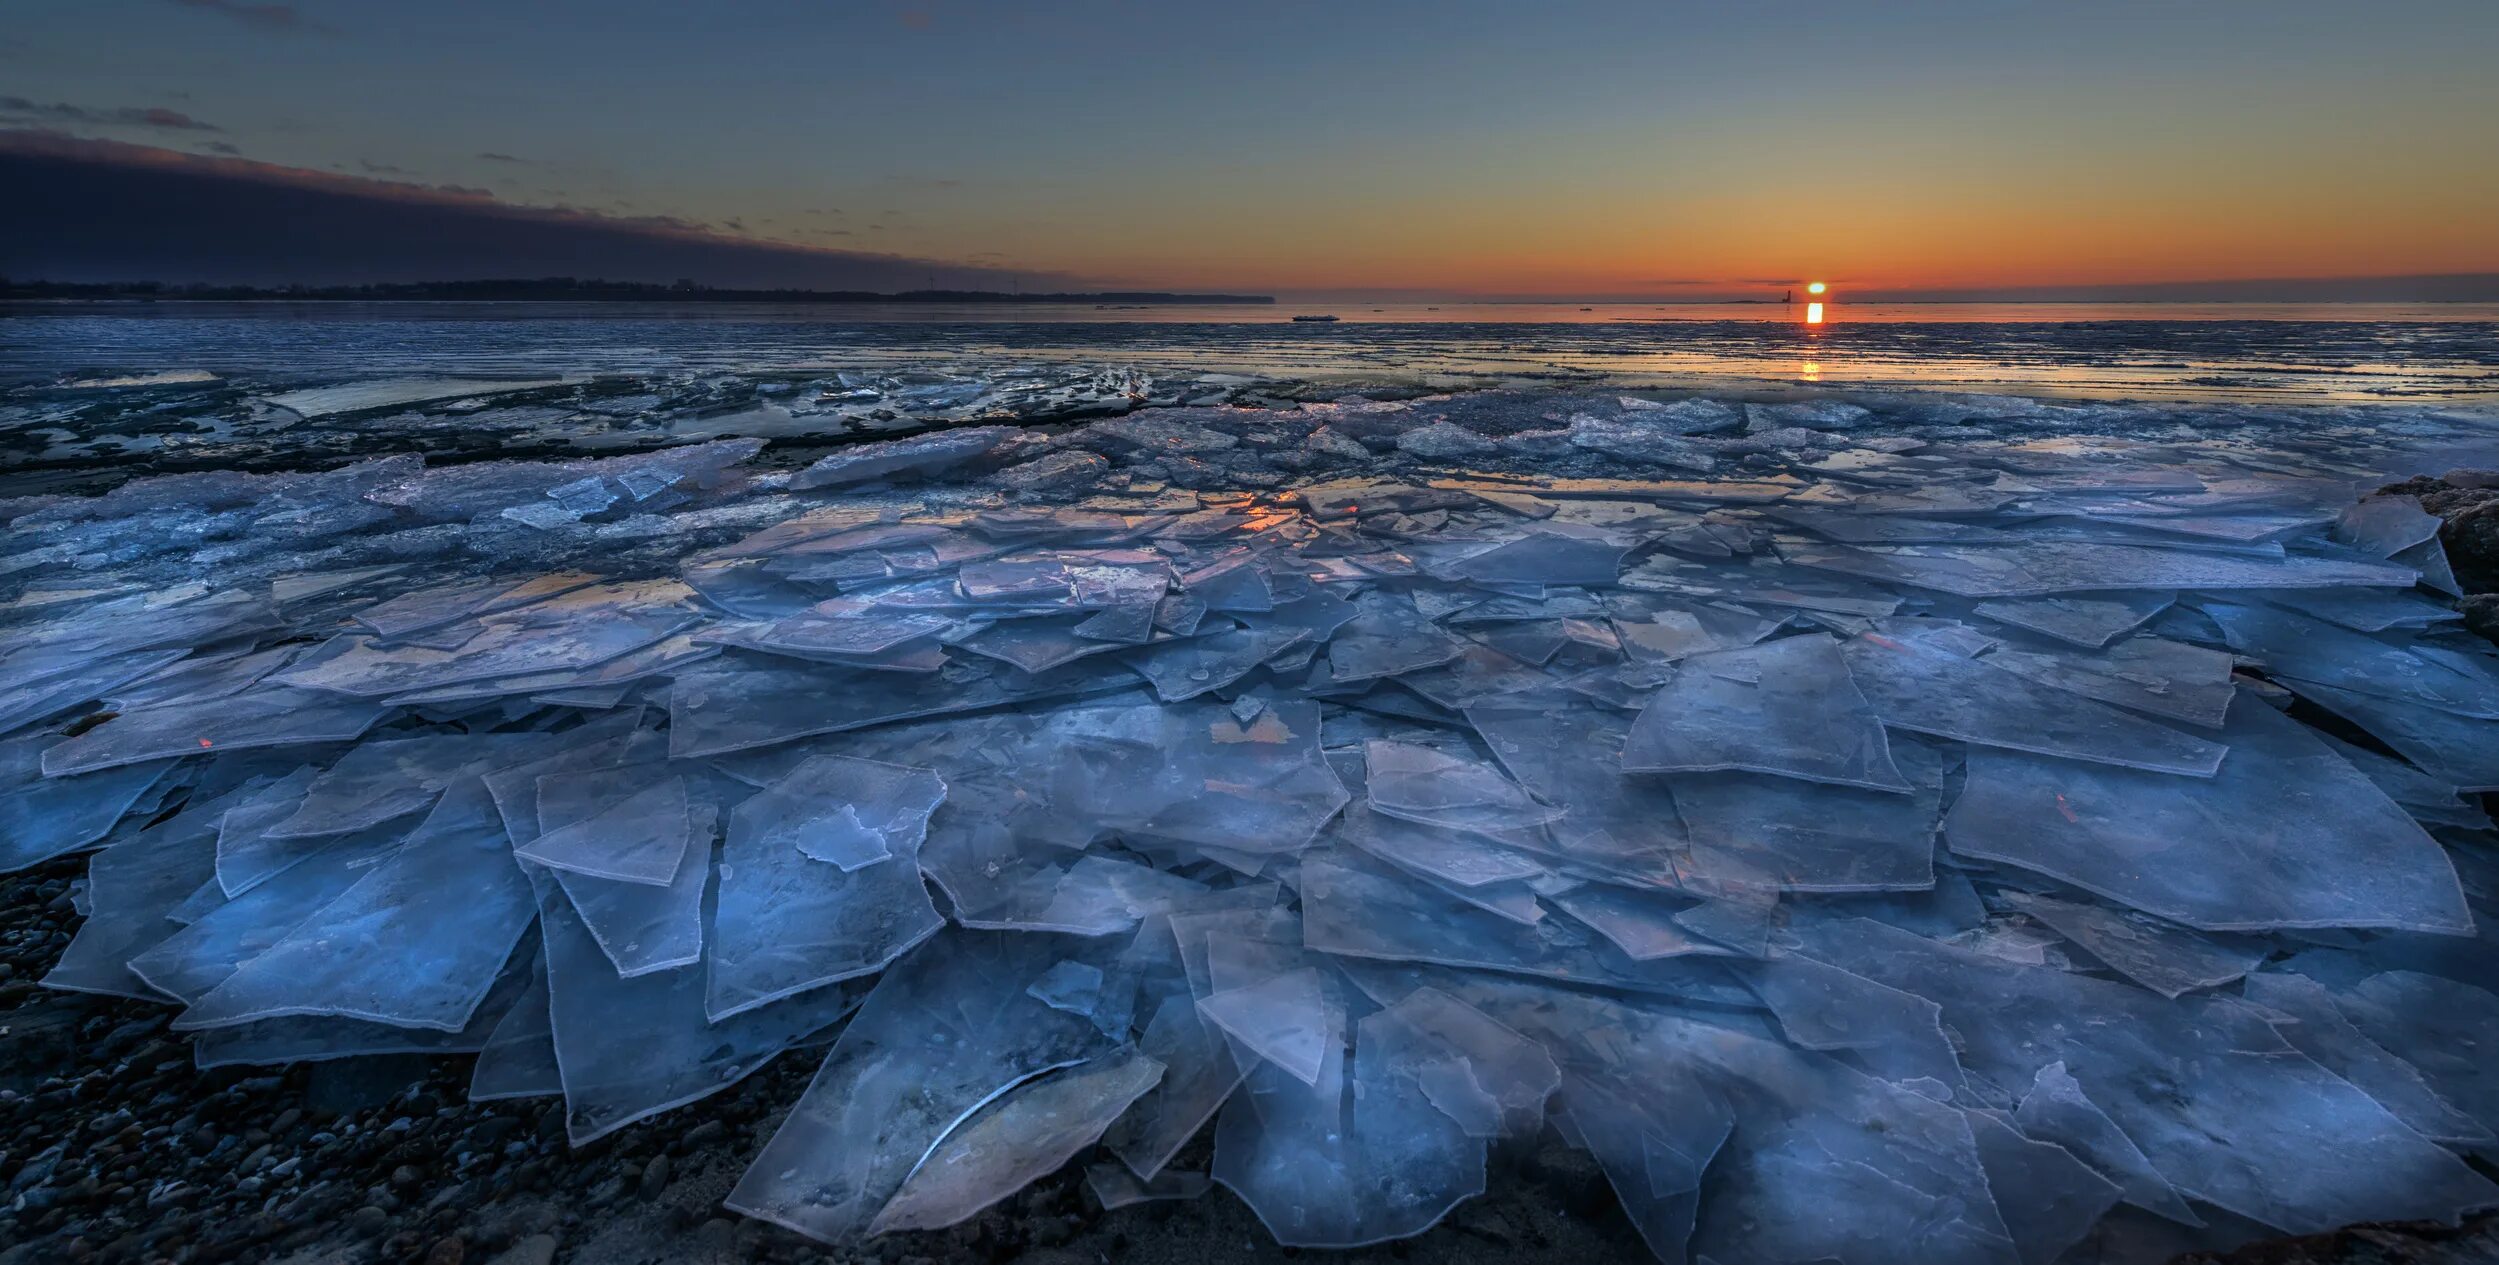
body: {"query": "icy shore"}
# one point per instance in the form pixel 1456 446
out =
pixel 1887 827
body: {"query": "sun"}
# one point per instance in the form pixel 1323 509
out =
pixel 1816 288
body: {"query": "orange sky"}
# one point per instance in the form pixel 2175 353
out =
pixel 1461 147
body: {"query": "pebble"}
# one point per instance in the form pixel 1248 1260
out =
pixel 655 1177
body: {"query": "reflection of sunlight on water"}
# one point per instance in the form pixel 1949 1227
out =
pixel 1813 314
pixel 1810 371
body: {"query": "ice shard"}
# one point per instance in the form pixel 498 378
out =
pixel 2284 835
pixel 1786 707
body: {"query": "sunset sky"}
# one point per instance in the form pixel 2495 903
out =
pixel 1447 148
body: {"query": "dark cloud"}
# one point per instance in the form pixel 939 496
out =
pixel 260 16
pixel 382 169
pixel 220 147
pixel 494 157
pixel 89 210
pixel 21 109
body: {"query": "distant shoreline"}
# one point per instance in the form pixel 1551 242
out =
pixel 568 290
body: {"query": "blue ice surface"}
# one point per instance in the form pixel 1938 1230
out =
pixel 1870 825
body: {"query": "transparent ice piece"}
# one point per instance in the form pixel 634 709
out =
pixel 2055 1109
pixel 1358 909
pixel 518 1060
pixel 1639 923
pixel 1351 1161
pixel 1451 855
pixel 42 817
pixel 1552 553
pixel 1187 667
pixel 2384 526
pixel 1432 788
pixel 2089 622
pixel 1491 1080
pixel 1786 707
pixel 849 812
pixel 2041 569
pixel 917 455
pixel 788 922
pixel 264 717
pixel 377 781
pixel 644 928
pixel 131 888
pixel 2460 750
pixel 1387 636
pixel 1114 1187
pixel 196 959
pixel 2049 1199
pixel 1286 1020
pixel 1008 1144
pixel 2143 674
pixel 1917 687
pixel 416 943
pixel 947 1031
pixel 632 1048
pixel 2168 960
pixel 2322 1032
pixel 637 839
pixel 715 710
pixel 2222 1108
pixel 2445 1028
pixel 1815 837
pixel 1199 1074
pixel 2298 649
pixel 2286 835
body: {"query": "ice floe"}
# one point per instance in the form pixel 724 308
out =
pixel 1871 835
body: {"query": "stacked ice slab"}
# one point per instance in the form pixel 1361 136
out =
pixel 1868 850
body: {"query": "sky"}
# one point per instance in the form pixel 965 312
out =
pixel 1628 149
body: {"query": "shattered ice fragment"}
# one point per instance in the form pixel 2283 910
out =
pixel 1114 1187
pixel 2285 835
pixel 2322 1032
pixel 643 928
pixel 788 923
pixel 1419 784
pixel 1010 1143
pixel 947 1031
pixel 416 943
pixel 846 811
pixel 629 1048
pixel 637 839
pixel 2089 622
pixel 2168 960
pixel 1285 1020
pixel 1919 687
pixel 42 817
pixel 920 455
pixel 1786 707
pixel 2056 1110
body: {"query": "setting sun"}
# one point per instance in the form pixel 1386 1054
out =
pixel 1815 288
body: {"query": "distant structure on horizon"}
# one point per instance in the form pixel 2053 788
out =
pixel 573 290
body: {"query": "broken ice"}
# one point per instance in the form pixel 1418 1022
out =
pixel 1868 837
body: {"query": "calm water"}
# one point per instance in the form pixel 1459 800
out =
pixel 2333 352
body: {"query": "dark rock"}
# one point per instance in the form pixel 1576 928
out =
pixel 2467 503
